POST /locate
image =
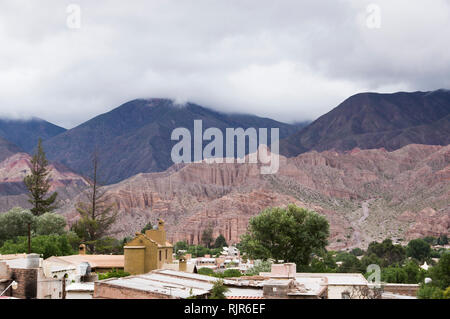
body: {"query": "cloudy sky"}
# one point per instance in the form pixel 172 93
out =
pixel 288 60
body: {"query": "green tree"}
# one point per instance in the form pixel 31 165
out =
pixel 428 291
pixel 418 249
pixel 220 242
pixel 218 290
pixel 414 274
pixel 38 184
pixel 350 263
pixel 109 246
pixel 15 223
pixel 388 253
pixel 371 259
pixel 447 293
pixel 440 273
pixel 207 237
pixel 442 240
pixel 259 266
pixel 96 214
pixel 148 226
pixel 232 273
pixel 291 235
pixel 357 252
pixel 205 271
pixel 114 273
pixel 50 223
pixel 45 245
pixel 394 275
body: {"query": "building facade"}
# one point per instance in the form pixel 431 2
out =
pixel 147 252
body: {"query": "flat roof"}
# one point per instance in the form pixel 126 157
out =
pixel 337 278
pixel 12 256
pixel 162 284
pixel 179 284
pixel 82 287
pixel 96 261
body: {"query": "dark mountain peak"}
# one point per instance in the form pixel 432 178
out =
pixel 26 132
pixel 375 120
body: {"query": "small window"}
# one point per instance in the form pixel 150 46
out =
pixel 160 255
pixel 166 253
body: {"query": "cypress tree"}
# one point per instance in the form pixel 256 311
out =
pixel 38 184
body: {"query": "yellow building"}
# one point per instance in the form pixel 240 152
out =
pixel 147 252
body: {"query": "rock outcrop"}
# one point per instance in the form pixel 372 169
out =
pixel 365 194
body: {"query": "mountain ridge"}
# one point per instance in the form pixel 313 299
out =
pixel 136 136
pixel 25 133
pixel 375 120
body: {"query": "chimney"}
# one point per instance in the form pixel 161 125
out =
pixel 82 249
pixel 32 261
pixel 182 265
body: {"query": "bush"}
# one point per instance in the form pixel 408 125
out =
pixel 447 293
pixel 430 292
pixel 205 271
pixel 395 275
pixel 440 273
pixel 115 273
pixel 232 273
pixel 357 252
pixel 260 266
pixel 218 290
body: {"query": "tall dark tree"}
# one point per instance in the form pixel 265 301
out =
pixel 148 226
pixel 38 184
pixel 220 242
pixel 97 214
pixel 207 237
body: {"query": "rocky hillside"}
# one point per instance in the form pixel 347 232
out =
pixel 373 120
pixel 365 194
pixel 13 192
pixel 136 137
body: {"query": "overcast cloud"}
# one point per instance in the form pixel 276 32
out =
pixel 288 60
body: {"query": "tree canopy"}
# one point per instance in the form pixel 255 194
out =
pixel 418 249
pixel 289 234
pixel 220 242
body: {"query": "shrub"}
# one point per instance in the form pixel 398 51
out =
pixel 430 292
pixel 205 271
pixel 232 273
pixel 218 290
pixel 115 273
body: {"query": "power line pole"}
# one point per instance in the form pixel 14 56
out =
pixel 29 238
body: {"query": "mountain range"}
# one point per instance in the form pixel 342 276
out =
pixel 136 137
pixel 377 165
